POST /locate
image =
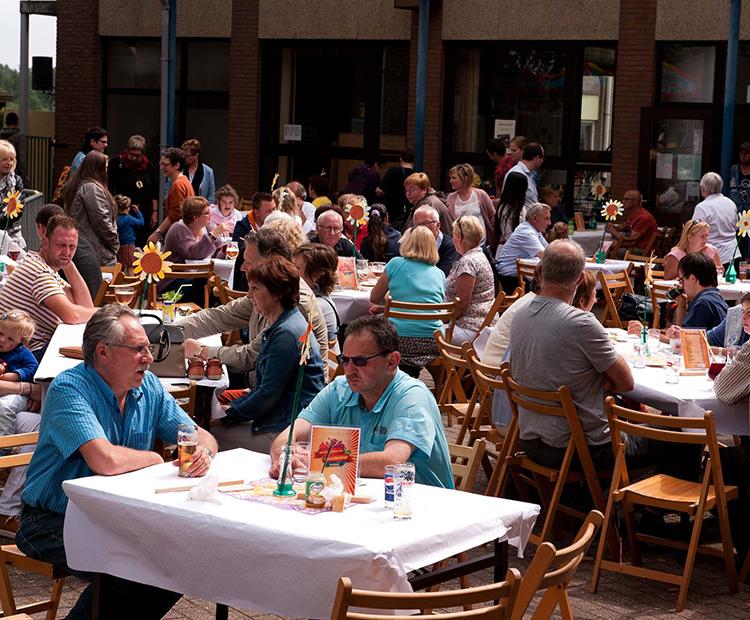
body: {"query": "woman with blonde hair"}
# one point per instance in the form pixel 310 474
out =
pixel 413 277
pixel 694 239
pixel 469 200
pixel 290 229
pixel 286 202
pixel 470 280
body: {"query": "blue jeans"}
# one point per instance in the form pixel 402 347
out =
pixel 40 536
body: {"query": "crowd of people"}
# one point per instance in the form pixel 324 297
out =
pixel 103 416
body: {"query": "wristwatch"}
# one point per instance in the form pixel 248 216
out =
pixel 210 453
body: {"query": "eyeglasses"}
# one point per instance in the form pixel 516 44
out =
pixel 140 349
pixel 359 360
pixel 329 229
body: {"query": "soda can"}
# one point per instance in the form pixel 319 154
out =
pixel 390 474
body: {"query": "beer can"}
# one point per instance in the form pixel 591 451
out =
pixel 390 473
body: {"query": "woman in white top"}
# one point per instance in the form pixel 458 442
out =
pixel 469 200
pixel 720 213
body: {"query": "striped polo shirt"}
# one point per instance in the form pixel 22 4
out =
pixel 31 282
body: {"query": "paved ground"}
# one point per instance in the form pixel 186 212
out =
pixel 618 597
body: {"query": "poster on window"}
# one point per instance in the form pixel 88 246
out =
pixel 688 167
pixel 664 165
pixel 505 129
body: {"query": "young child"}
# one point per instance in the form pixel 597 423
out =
pixel 129 218
pixel 17 367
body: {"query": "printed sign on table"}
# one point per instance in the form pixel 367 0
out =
pixel 347 272
pixel 695 354
pixel 335 450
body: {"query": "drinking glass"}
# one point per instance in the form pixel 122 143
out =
pixel 731 353
pixel 672 368
pixel 124 295
pixel 717 365
pixel 676 345
pixel 187 444
pixel 362 269
pixel 233 250
pixel 403 492
pixel 301 464
pixel 653 340
pixel 640 348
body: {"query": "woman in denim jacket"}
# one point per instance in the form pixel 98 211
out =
pixel 255 419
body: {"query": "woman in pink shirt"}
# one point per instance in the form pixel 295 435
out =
pixel 694 239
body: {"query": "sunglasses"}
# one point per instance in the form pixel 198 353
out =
pixel 359 360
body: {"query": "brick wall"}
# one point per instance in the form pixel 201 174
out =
pixel 78 87
pixel 635 85
pixel 433 127
pixel 243 140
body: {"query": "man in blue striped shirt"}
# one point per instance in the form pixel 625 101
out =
pixel 102 417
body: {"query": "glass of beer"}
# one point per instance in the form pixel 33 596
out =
pixel 233 250
pixel 124 295
pixel 187 444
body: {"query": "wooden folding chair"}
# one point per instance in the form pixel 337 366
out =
pixel 452 399
pixel 501 304
pixel 499 599
pixel 613 286
pixel 195 272
pixel 11 554
pixel 184 394
pixel 549 482
pixel 552 569
pixel 221 290
pixel 110 295
pixel 694 499
pixel 658 297
pixel 525 274
pixel 465 462
pixel 115 271
pixel 445 312
pixel 663 241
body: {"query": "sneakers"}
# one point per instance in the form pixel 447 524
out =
pixel 9 525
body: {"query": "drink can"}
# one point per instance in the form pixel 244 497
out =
pixel 403 490
pixel 675 292
pixel 168 311
pixel 313 489
pixel 390 473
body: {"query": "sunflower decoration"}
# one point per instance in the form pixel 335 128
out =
pixel 12 205
pixel 273 183
pixel 357 214
pixel 598 190
pixel 611 210
pixel 649 271
pixel 305 340
pixel 151 263
pixel 743 224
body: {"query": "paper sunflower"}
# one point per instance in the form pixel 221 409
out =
pixel 611 210
pixel 13 205
pixel 357 214
pixel 598 189
pixel 649 280
pixel 743 224
pixel 151 263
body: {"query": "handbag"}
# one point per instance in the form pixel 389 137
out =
pixel 167 345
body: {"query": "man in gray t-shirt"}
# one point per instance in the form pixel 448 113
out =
pixel 554 344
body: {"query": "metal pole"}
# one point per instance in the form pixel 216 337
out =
pixel 172 68
pixel 23 70
pixel 424 28
pixel 168 52
pixel 730 87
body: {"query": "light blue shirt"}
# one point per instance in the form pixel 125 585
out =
pixel 77 161
pixel 406 410
pixel 532 195
pixel 525 242
pixel 413 281
pixel 80 407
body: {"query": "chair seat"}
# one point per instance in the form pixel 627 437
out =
pixel 669 492
pixel 16 557
pixel 519 459
pixel 457 409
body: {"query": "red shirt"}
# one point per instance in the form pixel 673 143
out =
pixel 642 225
pixel 505 164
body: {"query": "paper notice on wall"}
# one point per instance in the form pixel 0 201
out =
pixel 664 165
pixel 292 133
pixel 692 190
pixel 505 129
pixel 689 167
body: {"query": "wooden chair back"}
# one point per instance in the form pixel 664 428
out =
pixel 658 297
pixel 221 290
pixel 498 598
pixel 501 304
pixel 664 240
pixel 613 286
pixel 667 492
pixel 114 271
pixel 195 272
pixel 465 461
pixel 445 312
pixel 452 399
pixel 525 274
pixel 551 571
pixel 110 294
pixel 11 554
pixel 184 394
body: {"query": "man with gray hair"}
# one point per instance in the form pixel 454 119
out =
pixel 329 227
pixel 553 344
pixel 720 213
pixel 527 241
pixel 429 217
pixel 102 417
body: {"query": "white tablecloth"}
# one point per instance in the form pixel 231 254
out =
pixel 730 292
pixel 610 267
pixel 351 304
pixel 259 557
pixel 683 397
pixel 589 239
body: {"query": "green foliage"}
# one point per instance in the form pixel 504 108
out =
pixel 9 83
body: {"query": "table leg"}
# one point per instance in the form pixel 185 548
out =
pixel 497 559
pixel 222 611
pixel 96 596
pixel 501 559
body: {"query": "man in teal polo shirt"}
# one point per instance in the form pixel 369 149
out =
pixel 397 414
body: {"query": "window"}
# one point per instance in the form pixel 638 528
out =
pixel 687 73
pixel 597 98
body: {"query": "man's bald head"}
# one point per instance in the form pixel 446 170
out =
pixel 428 216
pixel 562 263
